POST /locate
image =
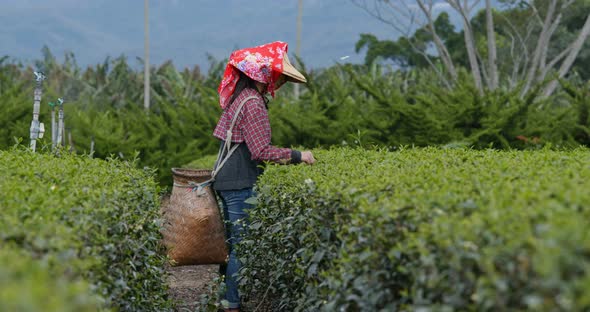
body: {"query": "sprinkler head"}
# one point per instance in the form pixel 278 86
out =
pixel 39 76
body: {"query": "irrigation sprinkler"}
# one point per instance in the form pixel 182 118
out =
pixel 37 129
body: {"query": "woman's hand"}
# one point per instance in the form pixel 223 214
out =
pixel 307 157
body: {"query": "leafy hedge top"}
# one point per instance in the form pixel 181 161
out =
pixel 434 228
pixel 441 177
pixel 87 222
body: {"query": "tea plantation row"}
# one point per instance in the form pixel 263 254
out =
pixel 422 229
pixel 78 234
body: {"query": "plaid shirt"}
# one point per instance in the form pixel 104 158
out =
pixel 252 127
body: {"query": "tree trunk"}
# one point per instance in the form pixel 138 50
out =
pixel 492 65
pixel 571 57
pixel 397 23
pixel 440 46
pixel 470 45
pixel 469 41
pixel 541 44
pixel 543 58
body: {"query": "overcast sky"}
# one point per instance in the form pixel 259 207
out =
pixel 184 31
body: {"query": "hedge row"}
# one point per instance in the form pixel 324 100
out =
pixel 78 234
pixel 422 229
pixel 360 105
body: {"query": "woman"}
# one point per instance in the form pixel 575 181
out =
pixel 245 134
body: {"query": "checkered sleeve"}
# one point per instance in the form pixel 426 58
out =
pixel 257 135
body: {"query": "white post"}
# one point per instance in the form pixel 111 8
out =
pixel 146 73
pixel 35 130
pixel 61 126
pixel 53 126
pixel 298 41
pixel 92 147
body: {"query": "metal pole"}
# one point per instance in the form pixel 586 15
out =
pixel 91 146
pixel 298 40
pixel 146 73
pixel 61 126
pixel 36 127
pixel 53 126
pixel 71 142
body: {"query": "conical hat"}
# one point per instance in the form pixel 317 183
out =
pixel 292 74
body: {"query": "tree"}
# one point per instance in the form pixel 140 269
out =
pixel 530 27
pixel 403 51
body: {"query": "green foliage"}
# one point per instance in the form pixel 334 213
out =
pixel 104 105
pixel 579 125
pixel 14 92
pixel 408 52
pixel 27 285
pixel 206 162
pixel 373 106
pixel 211 300
pixel 77 234
pixel 341 105
pixel 515 39
pixel 432 229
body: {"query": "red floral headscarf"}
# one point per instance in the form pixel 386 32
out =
pixel 262 63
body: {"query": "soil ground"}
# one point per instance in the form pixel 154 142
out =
pixel 187 283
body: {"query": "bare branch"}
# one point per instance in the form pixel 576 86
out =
pixel 571 57
pixel 554 61
pixel 523 57
pixel 469 42
pixel 543 40
pixel 475 3
pixel 515 64
pixel 493 80
pixel 409 17
pixel 536 13
pixel 376 12
pixel 484 73
pixel 440 46
pixel 550 32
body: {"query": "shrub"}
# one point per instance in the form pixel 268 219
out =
pixel 88 226
pixel 206 162
pixel 23 278
pixel 434 229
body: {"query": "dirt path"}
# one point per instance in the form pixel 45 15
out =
pixel 187 283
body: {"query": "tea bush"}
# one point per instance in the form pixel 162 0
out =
pixel 23 278
pixel 206 162
pixel 78 234
pixel 422 229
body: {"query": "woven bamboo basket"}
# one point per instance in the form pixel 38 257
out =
pixel 193 229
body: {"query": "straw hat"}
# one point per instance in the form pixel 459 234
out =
pixel 267 63
pixel 292 74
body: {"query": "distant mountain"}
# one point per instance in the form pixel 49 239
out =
pixel 184 31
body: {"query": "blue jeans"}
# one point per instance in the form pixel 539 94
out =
pixel 234 209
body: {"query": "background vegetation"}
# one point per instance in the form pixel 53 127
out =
pixel 342 105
